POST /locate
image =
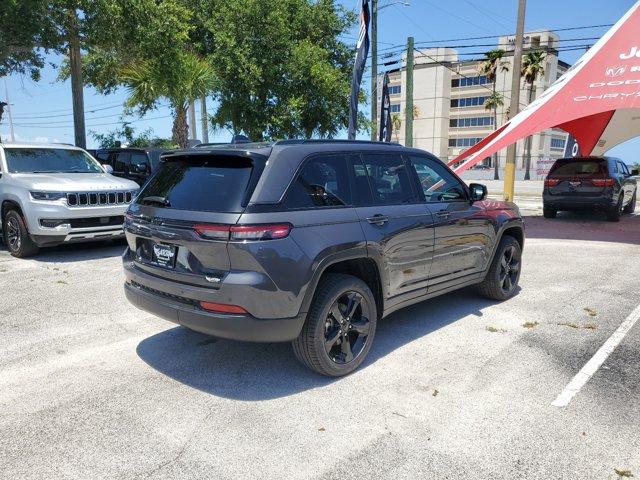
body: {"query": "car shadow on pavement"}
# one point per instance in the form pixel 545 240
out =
pixel 584 226
pixel 79 252
pixel 254 372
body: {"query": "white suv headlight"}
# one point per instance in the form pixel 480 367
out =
pixel 47 195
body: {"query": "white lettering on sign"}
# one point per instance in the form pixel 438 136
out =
pixel 632 53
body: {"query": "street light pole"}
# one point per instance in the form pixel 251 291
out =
pixel 514 106
pixel 374 69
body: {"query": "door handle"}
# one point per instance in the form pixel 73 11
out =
pixel 443 214
pixel 378 219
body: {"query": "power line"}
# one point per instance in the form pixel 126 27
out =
pixel 28 117
pixel 94 125
pixel 456 16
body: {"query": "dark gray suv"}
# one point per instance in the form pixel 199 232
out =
pixel 312 242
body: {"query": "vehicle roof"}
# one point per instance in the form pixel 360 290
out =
pixel 589 157
pixel 62 146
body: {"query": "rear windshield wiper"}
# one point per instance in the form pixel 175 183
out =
pixel 155 199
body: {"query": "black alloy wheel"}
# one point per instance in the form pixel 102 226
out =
pixel 501 282
pixel 346 328
pixel 509 269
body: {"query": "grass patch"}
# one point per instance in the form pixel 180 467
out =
pixel 623 473
pixel 435 393
pixel 3 270
pixel 590 311
pixel 567 324
pixel 591 326
pixel 61 282
pixel 495 329
pixel 530 324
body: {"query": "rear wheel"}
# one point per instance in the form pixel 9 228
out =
pixel 549 212
pixel 631 207
pixel 613 215
pixel 339 328
pixel 16 236
pixel 502 279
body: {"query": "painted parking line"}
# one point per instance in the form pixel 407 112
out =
pixel 592 366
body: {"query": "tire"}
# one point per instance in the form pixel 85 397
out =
pixel 613 214
pixel 16 237
pixel 321 327
pixel 549 212
pixel 495 285
pixel 631 207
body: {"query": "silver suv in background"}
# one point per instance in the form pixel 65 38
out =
pixel 53 194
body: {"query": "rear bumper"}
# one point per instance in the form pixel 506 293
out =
pixel 235 327
pixel 561 202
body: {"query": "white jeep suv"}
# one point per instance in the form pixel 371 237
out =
pixel 53 194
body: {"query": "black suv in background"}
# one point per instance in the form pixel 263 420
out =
pixel 312 242
pixel 135 164
pixel 590 183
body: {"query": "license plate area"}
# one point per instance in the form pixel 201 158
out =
pixel 158 254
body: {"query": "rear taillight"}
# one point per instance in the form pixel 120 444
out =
pixel 551 182
pixel 222 308
pixel 603 182
pixel 243 232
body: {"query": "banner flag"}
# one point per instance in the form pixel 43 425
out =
pixel 385 112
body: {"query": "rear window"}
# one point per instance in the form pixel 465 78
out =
pixel 202 184
pixel 577 167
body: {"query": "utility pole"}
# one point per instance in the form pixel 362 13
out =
pixel 6 94
pixel 75 63
pixel 374 70
pixel 408 110
pixel 204 121
pixel 514 106
pixel 192 119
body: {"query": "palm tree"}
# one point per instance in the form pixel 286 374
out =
pixel 396 125
pixel 532 68
pixel 187 78
pixel 489 67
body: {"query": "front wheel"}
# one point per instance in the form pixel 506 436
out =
pixel 16 236
pixel 631 207
pixel 339 328
pixel 501 282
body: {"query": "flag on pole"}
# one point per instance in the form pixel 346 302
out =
pixel 571 149
pixel 385 112
pixel 358 67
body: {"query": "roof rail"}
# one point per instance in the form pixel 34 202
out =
pixel 307 141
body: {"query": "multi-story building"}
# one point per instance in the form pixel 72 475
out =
pixel 450 94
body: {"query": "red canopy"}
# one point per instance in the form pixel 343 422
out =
pixel 595 100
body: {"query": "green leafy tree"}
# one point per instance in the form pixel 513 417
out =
pixel 490 66
pixel 126 134
pixel 532 68
pixel 282 70
pixel 188 78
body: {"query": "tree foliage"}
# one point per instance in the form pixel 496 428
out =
pixel 282 70
pixel 126 135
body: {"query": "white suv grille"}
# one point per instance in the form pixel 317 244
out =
pixel 91 199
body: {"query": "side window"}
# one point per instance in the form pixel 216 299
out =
pixel 120 162
pixel 103 158
pixel 437 182
pixel 360 187
pixel 323 182
pixel 389 179
pixel 614 167
pixel 623 168
pixel 141 160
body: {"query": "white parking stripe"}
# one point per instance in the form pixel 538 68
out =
pixel 596 361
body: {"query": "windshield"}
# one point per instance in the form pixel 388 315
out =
pixel 50 160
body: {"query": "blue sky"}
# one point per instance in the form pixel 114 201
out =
pixel 42 110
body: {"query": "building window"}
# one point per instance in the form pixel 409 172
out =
pixel 468 102
pixel 395 90
pixel 464 142
pixel 471 122
pixel 395 108
pixel 557 143
pixel 469 81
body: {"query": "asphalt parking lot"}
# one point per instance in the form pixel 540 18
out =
pixel 456 387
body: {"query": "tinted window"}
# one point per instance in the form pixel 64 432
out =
pixel 203 184
pixel 50 160
pixel 139 159
pixel 573 167
pixel 438 184
pixel 120 162
pixel 623 168
pixel 323 182
pixel 103 157
pixel 389 179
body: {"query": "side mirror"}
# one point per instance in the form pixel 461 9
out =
pixel 478 192
pixel 107 168
pixel 635 172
